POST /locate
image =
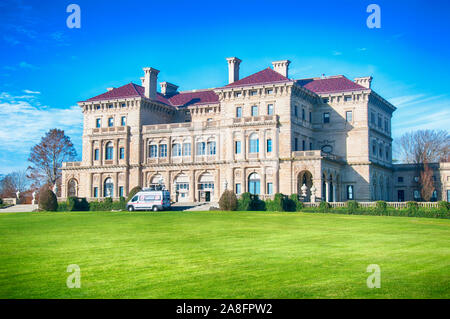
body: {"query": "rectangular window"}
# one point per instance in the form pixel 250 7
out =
pixel 269 188
pixel 400 179
pixel 176 150
pixel 96 154
pixel 163 150
pixel 303 145
pixel 269 109
pixel 110 106
pixel 269 91
pixel 372 118
pixel 121 153
pixel 349 116
pixel 379 121
pixel 153 152
pixel 347 98
pixel 386 125
pixel 310 117
pixel 325 100
pixel 98 123
pixel 254 145
pixel 303 115
pixel 187 149
pixel 254 110
pixel 120 191
pixel 295 111
pixel 239 111
pixel 253 93
pixel 296 144
pixel 238 188
pixel 310 146
pixel 124 105
pixel 95 191
pixel 211 148
pixel 110 122
pixel 123 121
pixel 237 147
pixel 269 145
pixel 237 94
pixel 350 192
pixel 416 195
pixel 326 117
pixel 201 148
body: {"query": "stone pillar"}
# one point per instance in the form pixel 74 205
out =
pixel 90 189
pixel 327 191
pixel 116 185
pixel 100 186
pixel 244 181
pixel 91 143
pixel 263 182
pixel 116 151
pixel 100 152
pixel 192 186
pixel 334 193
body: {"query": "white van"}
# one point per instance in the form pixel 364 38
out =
pixel 150 200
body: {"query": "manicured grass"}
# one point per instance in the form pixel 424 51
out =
pixel 222 255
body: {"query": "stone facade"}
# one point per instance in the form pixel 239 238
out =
pixel 265 134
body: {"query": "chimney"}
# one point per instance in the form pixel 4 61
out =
pixel 109 89
pixel 233 69
pixel 168 88
pixel 150 79
pixel 281 67
pixel 143 81
pixel 365 81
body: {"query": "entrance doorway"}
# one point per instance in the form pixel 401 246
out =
pixel 401 195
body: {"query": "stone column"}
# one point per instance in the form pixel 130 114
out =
pixel 116 185
pixel 327 191
pixel 334 193
pixel 100 152
pixel 90 187
pixel 91 143
pixel 244 181
pixel 116 151
pixel 263 182
pixel 100 186
pixel 192 186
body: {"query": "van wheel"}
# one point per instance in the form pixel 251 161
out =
pixel 130 208
pixel 155 208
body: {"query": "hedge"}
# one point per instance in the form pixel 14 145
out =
pixel 81 204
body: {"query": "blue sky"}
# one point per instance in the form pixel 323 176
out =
pixel 46 68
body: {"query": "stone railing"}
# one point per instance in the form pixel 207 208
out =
pixel 71 164
pixel 253 119
pixel 374 204
pixel 110 130
pixel 315 153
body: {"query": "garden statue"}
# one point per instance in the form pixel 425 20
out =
pixel 18 195
pixel 304 188
pixel 313 194
pixel 34 198
pixel 55 188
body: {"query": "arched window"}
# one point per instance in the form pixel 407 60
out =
pixel 254 184
pixel 176 150
pixel 254 143
pixel 201 148
pixel 109 151
pixel 108 188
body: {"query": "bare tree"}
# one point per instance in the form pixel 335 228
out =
pixel 47 157
pixel 13 182
pixel 424 146
pixel 426 183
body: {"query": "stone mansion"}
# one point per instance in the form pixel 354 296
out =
pixel 264 133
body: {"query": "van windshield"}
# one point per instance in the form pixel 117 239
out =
pixel 135 198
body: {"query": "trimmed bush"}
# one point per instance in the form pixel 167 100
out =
pixel 352 207
pixel 48 201
pixel 298 205
pixel 71 203
pixel 62 207
pixel 324 207
pixel 228 200
pixel 444 205
pixel 133 192
pixel 1 201
pixel 279 203
pixel 381 207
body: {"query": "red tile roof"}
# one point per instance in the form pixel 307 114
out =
pixel 180 99
pixel 265 76
pixel 330 84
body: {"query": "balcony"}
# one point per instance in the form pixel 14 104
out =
pixel 255 119
pixel 110 130
pixel 316 154
pixel 71 164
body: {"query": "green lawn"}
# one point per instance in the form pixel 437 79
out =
pixel 222 255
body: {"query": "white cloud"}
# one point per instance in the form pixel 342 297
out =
pixel 31 92
pixel 25 121
pixel 26 65
pixel 337 53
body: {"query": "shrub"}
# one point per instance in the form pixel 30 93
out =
pixel 71 204
pixel 228 200
pixel 1 201
pixel 257 204
pixel 324 207
pixel 381 207
pixel 62 207
pixel 298 205
pixel 278 203
pixel 444 205
pixel 133 192
pixel 48 201
pixel 412 208
pixel 352 207
pixel 245 202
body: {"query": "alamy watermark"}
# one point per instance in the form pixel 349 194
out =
pixel 374 20
pixel 74 279
pixel 374 280
pixel 74 19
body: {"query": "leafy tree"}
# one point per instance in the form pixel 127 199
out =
pixel 47 157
